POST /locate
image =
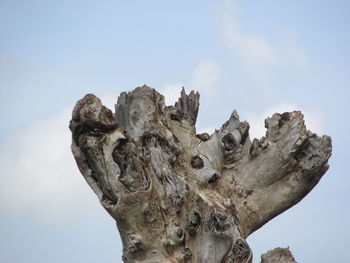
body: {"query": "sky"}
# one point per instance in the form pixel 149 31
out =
pixel 258 57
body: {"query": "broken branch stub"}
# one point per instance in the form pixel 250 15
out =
pixel 178 196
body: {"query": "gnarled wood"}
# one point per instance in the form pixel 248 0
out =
pixel 178 196
pixel 278 255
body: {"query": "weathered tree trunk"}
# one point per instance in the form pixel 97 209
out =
pixel 178 196
pixel 278 255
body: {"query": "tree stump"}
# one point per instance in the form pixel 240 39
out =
pixel 278 255
pixel 178 196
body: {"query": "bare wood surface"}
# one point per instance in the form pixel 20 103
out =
pixel 278 255
pixel 178 196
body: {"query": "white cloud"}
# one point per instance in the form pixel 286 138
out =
pixel 109 100
pixel 289 53
pixel 208 130
pixel 39 176
pixel 171 93
pixel 38 173
pixel 315 119
pixel 256 53
pixel 204 79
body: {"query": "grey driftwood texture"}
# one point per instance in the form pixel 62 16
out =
pixel 178 196
pixel 278 255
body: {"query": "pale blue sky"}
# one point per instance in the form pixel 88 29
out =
pixel 253 56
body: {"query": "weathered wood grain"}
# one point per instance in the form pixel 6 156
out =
pixel 178 196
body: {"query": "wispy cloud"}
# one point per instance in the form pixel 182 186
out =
pixel 171 92
pixel 257 54
pixel 204 78
pixel 315 119
pixel 39 176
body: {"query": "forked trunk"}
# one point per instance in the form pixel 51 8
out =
pixel 178 196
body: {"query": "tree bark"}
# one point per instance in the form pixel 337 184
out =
pixel 178 196
pixel 278 255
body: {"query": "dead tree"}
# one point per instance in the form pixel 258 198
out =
pixel 178 196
